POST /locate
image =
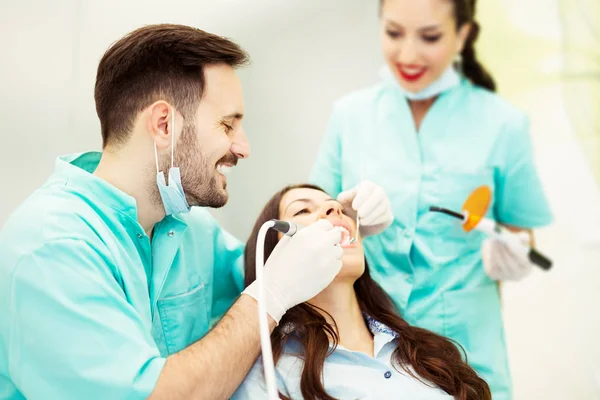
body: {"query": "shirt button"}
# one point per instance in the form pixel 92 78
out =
pixel 139 235
pixel 171 233
pixel 387 375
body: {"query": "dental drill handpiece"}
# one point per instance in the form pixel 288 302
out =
pixel 290 229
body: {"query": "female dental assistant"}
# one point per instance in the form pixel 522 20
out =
pixel 430 133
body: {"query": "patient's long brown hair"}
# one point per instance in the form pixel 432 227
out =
pixel 433 357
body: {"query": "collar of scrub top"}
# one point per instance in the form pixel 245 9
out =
pixel 389 79
pixel 77 170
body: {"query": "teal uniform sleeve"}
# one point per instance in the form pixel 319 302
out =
pixel 228 274
pixel 72 334
pixel 327 170
pixel 520 198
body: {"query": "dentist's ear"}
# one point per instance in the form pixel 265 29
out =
pixel 158 116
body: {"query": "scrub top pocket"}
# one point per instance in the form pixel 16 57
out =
pixel 184 318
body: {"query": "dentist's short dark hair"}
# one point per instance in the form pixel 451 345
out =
pixel 156 62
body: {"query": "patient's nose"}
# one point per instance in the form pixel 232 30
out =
pixel 330 209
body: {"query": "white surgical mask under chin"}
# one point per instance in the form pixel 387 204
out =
pixel 172 195
pixel 448 80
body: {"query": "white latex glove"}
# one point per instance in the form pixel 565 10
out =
pixel 371 203
pixel 506 263
pixel 300 267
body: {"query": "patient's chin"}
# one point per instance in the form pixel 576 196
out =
pixel 352 267
pixel 353 255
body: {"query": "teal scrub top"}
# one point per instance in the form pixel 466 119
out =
pixel 90 307
pixel 427 263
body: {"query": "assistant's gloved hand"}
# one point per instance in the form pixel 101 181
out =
pixel 504 262
pixel 371 203
pixel 300 267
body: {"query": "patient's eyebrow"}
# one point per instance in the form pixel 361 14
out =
pixel 297 200
pixel 307 201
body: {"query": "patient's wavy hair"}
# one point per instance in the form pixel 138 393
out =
pixel 433 357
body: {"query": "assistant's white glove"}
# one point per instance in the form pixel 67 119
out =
pixel 300 267
pixel 371 203
pixel 503 262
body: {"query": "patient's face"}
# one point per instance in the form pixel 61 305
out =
pixel 306 206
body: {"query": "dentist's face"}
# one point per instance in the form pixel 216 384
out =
pixel 420 40
pixel 306 206
pixel 212 143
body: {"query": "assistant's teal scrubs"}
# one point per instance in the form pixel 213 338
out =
pixel 89 306
pixel 425 261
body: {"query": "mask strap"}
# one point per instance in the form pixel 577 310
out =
pixel 172 134
pixel 172 142
pixel 156 158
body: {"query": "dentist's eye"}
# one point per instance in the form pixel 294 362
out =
pixel 303 211
pixel 227 127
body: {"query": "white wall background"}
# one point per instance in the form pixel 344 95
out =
pixel 305 53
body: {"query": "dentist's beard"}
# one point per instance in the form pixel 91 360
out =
pixel 200 180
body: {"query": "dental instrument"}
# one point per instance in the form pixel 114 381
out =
pixel 355 238
pixel 472 217
pixel 288 228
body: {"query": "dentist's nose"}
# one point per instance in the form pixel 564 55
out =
pixel 240 146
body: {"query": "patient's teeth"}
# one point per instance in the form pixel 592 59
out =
pixel 345 235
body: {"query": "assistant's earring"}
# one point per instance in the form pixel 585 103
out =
pixel 458 63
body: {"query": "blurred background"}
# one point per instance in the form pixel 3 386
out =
pixel 544 54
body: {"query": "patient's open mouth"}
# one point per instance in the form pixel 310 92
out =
pixel 346 235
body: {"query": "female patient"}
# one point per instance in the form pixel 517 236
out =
pixel 349 342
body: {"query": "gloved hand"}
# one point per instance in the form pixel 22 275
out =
pixel 505 262
pixel 371 203
pixel 300 267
